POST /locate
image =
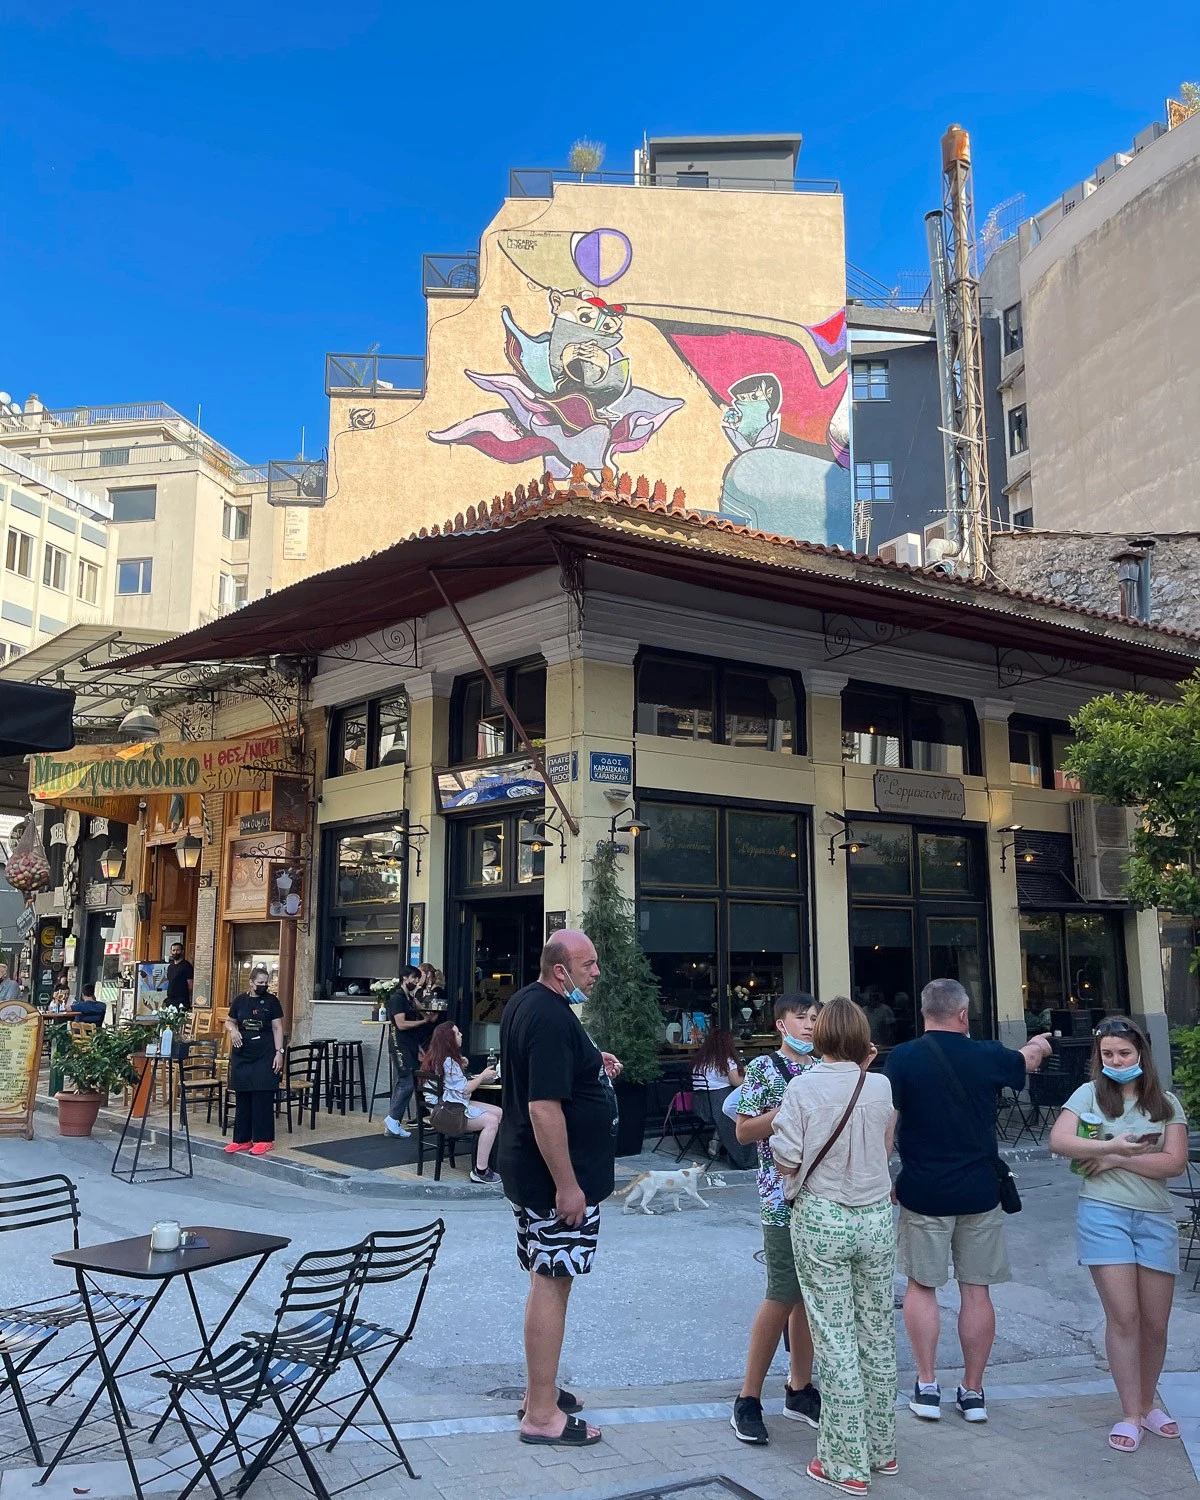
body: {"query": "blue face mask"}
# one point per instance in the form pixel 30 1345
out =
pixel 576 997
pixel 1123 1075
pixel 797 1044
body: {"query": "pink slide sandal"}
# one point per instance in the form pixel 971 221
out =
pixel 1125 1430
pixel 1156 1421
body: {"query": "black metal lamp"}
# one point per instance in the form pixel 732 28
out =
pixel 631 825
pixel 187 852
pixel 112 862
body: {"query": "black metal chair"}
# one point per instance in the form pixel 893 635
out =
pixel 300 1085
pixel 198 1080
pixel 683 1117
pixel 426 1097
pixel 285 1368
pixel 1190 1196
pixel 26 1330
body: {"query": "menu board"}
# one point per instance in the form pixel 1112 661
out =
pixel 20 1055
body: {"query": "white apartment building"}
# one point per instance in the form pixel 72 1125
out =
pixel 60 555
pixel 195 537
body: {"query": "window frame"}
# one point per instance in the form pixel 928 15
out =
pixel 1046 730
pixel 506 676
pixel 133 489
pixel 1012 329
pixel 371 707
pixel 719 667
pixel 23 539
pixel 1018 430
pixel 145 567
pixel 876 384
pixel 880 488
pixel 333 911
pixel 240 515
pixel 90 572
pixel 55 560
pixel 904 699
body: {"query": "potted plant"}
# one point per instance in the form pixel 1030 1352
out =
pixel 92 1066
pixel 622 1014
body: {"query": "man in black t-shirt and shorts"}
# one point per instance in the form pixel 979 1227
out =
pixel 557 1149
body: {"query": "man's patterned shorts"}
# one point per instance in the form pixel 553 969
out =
pixel 551 1248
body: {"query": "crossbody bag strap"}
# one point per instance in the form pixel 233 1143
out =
pixel 969 1110
pixel 841 1125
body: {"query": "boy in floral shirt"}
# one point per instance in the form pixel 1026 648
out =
pixel 762 1093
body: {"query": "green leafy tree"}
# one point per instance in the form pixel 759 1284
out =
pixel 623 1013
pixel 1189 95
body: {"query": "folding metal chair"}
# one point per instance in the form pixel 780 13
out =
pixel 682 1116
pixel 285 1368
pixel 26 1330
pixel 1190 1195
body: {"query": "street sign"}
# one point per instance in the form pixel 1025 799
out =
pixel 611 767
pixel 563 766
pixel 25 921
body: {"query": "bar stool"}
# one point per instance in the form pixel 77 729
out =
pixel 345 1075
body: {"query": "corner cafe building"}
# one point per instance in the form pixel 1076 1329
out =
pixel 847 772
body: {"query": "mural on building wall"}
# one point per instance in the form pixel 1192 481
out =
pixel 778 389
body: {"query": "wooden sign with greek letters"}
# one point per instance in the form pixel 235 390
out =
pixel 20 1057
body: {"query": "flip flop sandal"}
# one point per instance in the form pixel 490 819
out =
pixel 566 1402
pixel 1125 1430
pixel 573 1435
pixel 1156 1419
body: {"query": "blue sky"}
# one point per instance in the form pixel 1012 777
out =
pixel 197 201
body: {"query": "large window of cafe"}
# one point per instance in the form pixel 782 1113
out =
pixel 885 726
pixel 363 901
pixel 722 916
pixel 720 703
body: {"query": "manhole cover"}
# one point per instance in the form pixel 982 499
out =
pixel 714 1487
pixel 506 1393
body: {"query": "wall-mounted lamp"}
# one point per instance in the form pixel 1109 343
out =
pixel 626 821
pixel 539 839
pixel 187 852
pixel 410 841
pixel 848 845
pixel 1025 856
pixel 112 862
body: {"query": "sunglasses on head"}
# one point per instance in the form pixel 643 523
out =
pixel 1115 1028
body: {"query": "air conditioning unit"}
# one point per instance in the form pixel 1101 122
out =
pixel 903 549
pixel 1074 196
pixel 1108 167
pixel 1148 136
pixel 1100 836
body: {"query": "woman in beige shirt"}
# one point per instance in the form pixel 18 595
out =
pixel 844 1243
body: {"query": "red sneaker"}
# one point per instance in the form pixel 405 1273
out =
pixel 891 1467
pixel 238 1146
pixel 847 1486
pixel 260 1148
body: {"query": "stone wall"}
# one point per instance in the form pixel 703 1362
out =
pixel 1077 568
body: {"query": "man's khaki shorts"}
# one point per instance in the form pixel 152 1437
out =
pixel 926 1244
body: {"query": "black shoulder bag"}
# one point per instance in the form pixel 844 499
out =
pixel 1010 1198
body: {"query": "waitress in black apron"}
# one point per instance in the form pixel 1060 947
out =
pixel 255 1027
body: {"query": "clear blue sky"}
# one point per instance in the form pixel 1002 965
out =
pixel 197 201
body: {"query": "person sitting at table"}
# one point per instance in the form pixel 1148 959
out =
pixel 445 1058
pixel 255 1027
pixel 715 1074
pixel 88 1008
pixel 60 1000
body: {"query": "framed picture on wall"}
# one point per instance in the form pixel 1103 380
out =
pixel 171 936
pixel 416 933
pixel 285 889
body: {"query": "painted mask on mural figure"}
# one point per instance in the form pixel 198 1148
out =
pixel 582 332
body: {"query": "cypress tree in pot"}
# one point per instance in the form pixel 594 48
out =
pixel 623 1014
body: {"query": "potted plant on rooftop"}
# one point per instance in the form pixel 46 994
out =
pixel 622 1014
pixel 93 1066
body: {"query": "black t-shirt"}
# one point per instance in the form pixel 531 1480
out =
pixel 546 1054
pixel 252 1015
pixel 408 1043
pixel 179 976
pixel 943 1169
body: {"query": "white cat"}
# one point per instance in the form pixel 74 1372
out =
pixel 649 1184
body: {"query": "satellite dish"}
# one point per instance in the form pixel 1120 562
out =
pixel 5 399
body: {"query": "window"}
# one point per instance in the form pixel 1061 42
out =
pixel 889 727
pixel 1014 334
pixel 88 587
pixel 235 525
pixel 1070 960
pixel 1023 519
pixel 55 563
pixel 873 481
pixel 231 591
pixel 9 652
pixel 481 727
pixel 134 505
pixel 1018 431
pixel 366 735
pixel 133 575
pixel 366 872
pixel 682 698
pixel 1036 751
pixel 20 553
pixel 870 379
pixel 112 458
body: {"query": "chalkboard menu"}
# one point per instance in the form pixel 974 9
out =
pixel 20 1055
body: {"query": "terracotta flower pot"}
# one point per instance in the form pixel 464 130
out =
pixel 77 1113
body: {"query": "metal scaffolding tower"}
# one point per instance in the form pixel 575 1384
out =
pixel 955 290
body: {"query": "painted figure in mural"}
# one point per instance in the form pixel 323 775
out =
pixel 752 421
pixel 569 397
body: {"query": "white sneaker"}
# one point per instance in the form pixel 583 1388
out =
pixel 393 1127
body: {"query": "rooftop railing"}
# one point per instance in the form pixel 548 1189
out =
pixel 539 182
pixel 374 375
pixel 43 421
pixel 38 476
pixel 147 455
pixel 450 274
pixel 297 481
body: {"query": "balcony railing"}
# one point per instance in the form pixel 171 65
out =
pixel 191 437
pixel 99 461
pixel 456 274
pixel 296 481
pixel 911 289
pixel 38 476
pixel 374 375
pixel 538 182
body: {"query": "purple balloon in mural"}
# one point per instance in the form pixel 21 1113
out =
pixel 601 256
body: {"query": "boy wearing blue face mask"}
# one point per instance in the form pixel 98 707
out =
pixel 762 1093
pixel 1125 1232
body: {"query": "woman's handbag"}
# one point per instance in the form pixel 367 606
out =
pixel 449 1119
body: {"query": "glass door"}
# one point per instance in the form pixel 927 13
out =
pixel 505 940
pixel 882 953
pixel 953 947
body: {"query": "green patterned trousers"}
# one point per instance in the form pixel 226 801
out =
pixel 845 1259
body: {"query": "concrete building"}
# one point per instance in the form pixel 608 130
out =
pixel 686 318
pixel 195 537
pixel 1098 307
pixel 60 551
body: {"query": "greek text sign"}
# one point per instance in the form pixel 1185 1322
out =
pixel 20 1053
pixel 610 766
pixel 563 766
pixel 917 795
pixel 93 774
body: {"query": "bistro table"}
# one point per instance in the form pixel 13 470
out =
pixel 134 1260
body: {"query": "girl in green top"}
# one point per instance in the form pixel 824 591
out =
pixel 1130 1137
